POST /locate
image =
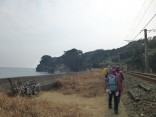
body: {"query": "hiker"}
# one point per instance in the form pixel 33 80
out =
pixel 112 89
pixel 105 73
pixel 120 78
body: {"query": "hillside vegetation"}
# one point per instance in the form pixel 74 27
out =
pixel 131 55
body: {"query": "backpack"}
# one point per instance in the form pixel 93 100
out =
pixel 112 82
pixel 120 80
pixel 105 71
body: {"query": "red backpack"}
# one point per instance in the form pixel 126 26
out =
pixel 119 77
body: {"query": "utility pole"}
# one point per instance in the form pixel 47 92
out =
pixel 146 48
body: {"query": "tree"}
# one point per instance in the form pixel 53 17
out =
pixel 73 60
pixel 47 63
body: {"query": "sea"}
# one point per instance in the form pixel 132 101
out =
pixel 9 72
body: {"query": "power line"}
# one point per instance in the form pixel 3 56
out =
pixel 142 17
pixel 149 21
pixel 146 10
pixel 138 15
pixel 144 27
pixel 137 35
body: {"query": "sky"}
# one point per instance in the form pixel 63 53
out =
pixel 30 29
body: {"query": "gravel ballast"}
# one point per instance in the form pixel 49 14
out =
pixel 139 97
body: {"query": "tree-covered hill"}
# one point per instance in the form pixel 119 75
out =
pixel 131 55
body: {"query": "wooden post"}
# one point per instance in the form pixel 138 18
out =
pixel 146 55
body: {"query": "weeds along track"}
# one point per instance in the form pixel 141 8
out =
pixel 145 76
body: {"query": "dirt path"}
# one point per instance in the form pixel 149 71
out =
pixel 97 106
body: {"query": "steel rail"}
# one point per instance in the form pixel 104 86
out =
pixel 144 76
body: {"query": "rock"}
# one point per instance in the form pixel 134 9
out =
pixel 142 114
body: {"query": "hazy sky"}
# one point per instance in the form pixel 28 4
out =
pixel 30 29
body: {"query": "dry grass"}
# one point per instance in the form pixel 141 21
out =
pixel 24 107
pixel 87 84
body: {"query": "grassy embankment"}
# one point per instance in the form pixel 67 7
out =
pixel 71 98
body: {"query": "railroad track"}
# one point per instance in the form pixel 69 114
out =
pixel 145 76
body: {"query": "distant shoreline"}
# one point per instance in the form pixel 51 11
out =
pixel 27 76
pixel 10 72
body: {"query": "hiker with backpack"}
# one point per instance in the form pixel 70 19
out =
pixel 120 79
pixel 105 73
pixel 113 89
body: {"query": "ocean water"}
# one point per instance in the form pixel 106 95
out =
pixel 8 72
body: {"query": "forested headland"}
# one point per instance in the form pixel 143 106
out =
pixel 131 57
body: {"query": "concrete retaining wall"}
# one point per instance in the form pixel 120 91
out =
pixel 47 82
